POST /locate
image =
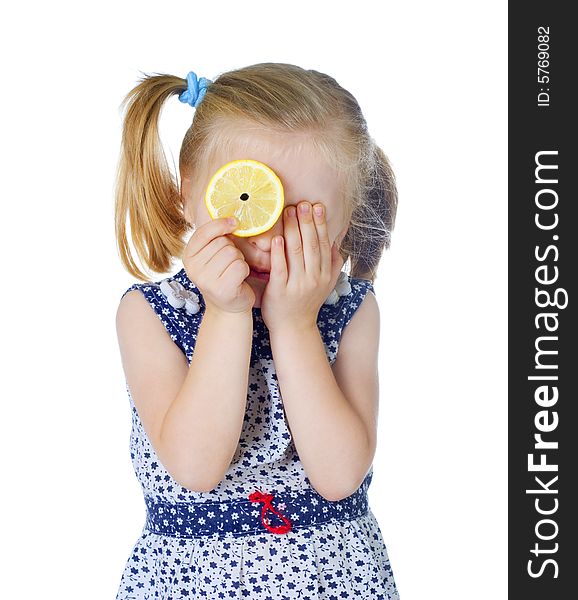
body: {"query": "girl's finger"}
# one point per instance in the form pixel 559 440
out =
pixel 278 273
pixel 311 252
pixel 208 232
pixel 323 238
pixel 293 243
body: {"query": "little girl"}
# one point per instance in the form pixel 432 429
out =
pixel 253 380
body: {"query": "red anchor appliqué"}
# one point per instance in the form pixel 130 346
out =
pixel 266 499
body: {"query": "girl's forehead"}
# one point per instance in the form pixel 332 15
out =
pixel 302 167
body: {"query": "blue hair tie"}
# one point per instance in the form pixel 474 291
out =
pixel 196 90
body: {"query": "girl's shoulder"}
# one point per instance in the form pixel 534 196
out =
pixel 178 304
pixel 335 316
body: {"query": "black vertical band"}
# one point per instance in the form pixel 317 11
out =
pixel 543 268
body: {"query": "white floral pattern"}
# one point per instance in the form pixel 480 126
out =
pixel 341 558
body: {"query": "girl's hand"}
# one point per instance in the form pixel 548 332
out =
pixel 304 270
pixel 218 268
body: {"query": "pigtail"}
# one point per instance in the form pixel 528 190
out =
pixel 373 219
pixel 146 190
pixel 383 192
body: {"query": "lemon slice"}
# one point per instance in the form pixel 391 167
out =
pixel 249 191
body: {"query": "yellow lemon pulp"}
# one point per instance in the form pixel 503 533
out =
pixel 249 191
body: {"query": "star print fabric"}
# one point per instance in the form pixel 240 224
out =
pixel 219 545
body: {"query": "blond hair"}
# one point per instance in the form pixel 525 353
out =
pixel 278 96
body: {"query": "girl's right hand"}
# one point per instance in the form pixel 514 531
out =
pixel 218 268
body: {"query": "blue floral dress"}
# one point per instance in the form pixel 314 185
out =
pixel 263 533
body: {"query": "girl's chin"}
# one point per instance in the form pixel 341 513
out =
pixel 257 285
pixel 257 282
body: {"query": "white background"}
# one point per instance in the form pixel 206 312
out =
pixel 431 80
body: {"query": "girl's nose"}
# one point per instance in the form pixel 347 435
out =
pixel 263 240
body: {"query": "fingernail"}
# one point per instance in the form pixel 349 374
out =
pixel 232 221
pixel 318 210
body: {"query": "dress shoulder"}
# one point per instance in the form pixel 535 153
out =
pixel 177 305
pixel 359 289
pixel 333 318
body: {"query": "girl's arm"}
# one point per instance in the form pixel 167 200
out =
pixel 192 414
pixel 332 411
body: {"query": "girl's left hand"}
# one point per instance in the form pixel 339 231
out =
pixel 304 270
